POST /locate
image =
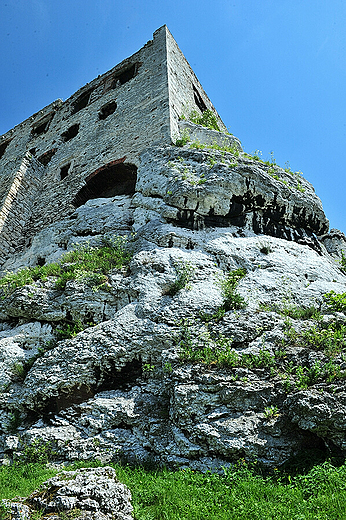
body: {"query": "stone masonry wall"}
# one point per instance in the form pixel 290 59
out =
pixel 185 91
pixel 16 205
pixel 110 120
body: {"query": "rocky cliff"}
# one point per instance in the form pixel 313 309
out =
pixel 220 335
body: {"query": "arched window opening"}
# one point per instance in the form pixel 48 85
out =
pixel 115 178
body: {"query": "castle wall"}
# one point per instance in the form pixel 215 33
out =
pixel 110 120
pixel 16 205
pixel 185 91
pixel 125 111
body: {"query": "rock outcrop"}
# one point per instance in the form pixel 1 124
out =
pixel 88 493
pixel 196 376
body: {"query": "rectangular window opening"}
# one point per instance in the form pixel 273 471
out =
pixel 46 157
pixel 70 133
pixel 41 126
pixel 64 171
pixel 124 76
pixel 82 101
pixel 3 147
pixel 198 100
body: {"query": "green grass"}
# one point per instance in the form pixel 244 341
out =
pixel 85 263
pixel 22 479
pixel 239 494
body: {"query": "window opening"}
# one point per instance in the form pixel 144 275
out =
pixel 198 100
pixel 46 157
pixel 70 133
pixel 41 126
pixel 64 171
pixel 81 101
pixel 3 147
pixel 115 178
pixel 122 77
pixel 107 110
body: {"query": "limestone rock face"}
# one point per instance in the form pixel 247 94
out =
pixel 166 370
pixel 92 493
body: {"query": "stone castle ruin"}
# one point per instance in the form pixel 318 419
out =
pixel 204 346
pixel 89 145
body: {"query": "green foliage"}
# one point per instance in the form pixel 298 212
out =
pixel 84 263
pixel 147 367
pixel 18 370
pixel 185 273
pixel 224 148
pixel 184 138
pixel 14 421
pixel 5 512
pixel 216 316
pixel 207 119
pixel 336 302
pixel 21 479
pixel 308 376
pixel 167 367
pixel 38 451
pixel 199 347
pixel 232 300
pixel 343 262
pixel 67 330
pixel 300 313
pixel 331 338
pixel 271 412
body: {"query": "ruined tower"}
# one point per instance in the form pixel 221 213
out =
pixel 89 145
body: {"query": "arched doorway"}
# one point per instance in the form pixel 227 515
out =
pixel 114 178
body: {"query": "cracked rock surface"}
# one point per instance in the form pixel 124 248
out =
pixel 127 387
pixel 89 493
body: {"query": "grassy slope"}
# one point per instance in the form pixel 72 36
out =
pixel 187 495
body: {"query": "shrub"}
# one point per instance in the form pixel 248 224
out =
pixel 207 119
pixel 300 313
pixel 38 451
pixel 336 302
pixel 184 138
pixel 84 263
pixel 185 273
pixel 67 330
pixel 228 285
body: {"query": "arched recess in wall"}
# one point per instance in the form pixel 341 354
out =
pixel 114 178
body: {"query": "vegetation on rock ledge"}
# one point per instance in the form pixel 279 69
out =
pixel 86 263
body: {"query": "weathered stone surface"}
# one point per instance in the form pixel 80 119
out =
pixel 120 390
pixel 335 243
pixel 91 493
pixel 217 189
pixel 86 146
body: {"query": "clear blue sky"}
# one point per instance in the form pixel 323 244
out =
pixel 274 69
